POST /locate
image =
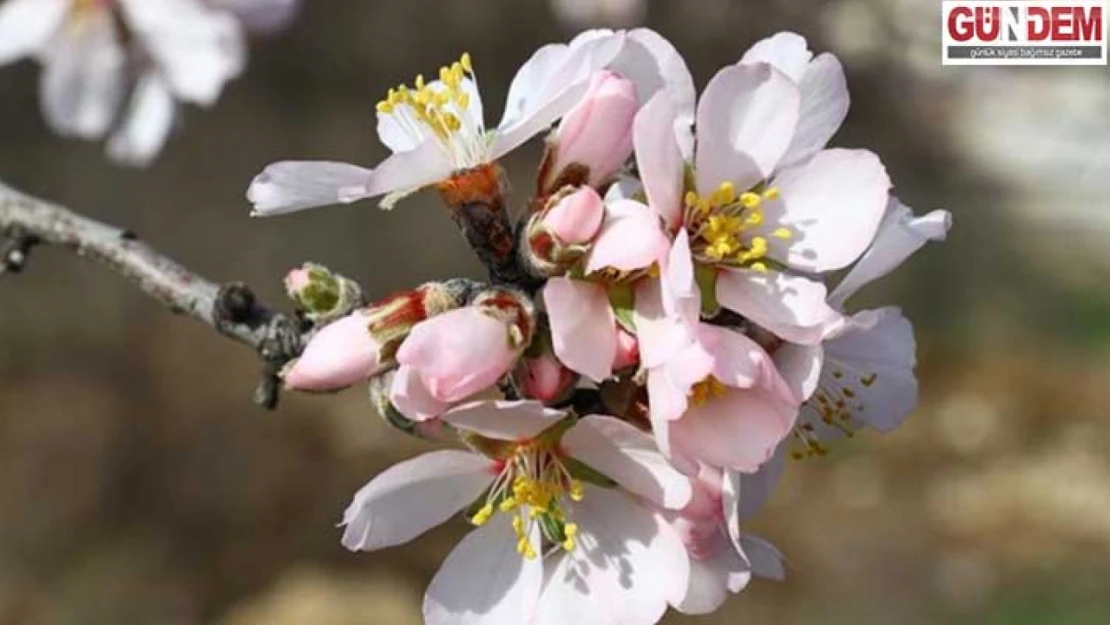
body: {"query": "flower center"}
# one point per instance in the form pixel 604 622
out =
pixel 441 109
pixel 534 486
pixel 706 390
pixel 720 223
pixel 834 403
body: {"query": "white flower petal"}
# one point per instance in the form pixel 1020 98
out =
pixel 653 63
pixel 296 185
pixel 765 559
pixel 149 118
pixel 27 26
pixel 628 564
pixel 785 51
pixel 583 326
pixel 659 159
pixel 713 578
pixel 199 48
pixel 876 363
pixel 83 82
pixel 628 456
pixel 832 204
pixel 412 497
pixel 426 164
pixel 484 581
pixel 900 235
pixel 745 122
pixel 800 366
pixel 503 420
pixel 825 100
pixel 792 307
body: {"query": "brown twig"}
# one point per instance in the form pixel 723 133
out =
pixel 231 309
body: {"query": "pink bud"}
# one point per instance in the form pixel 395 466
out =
pixel 546 379
pixel 297 280
pixel 459 353
pixel 576 218
pixel 597 132
pixel 339 355
pixel 628 350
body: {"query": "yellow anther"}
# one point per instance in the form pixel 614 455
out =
pixel 385 107
pixel 419 82
pixel 760 267
pixel 482 515
pixel 772 193
pixel 576 491
pixel 571 530
pixel 568 544
pixel 464 60
pixel 691 199
pixel 754 218
pixel 507 504
pixel 750 200
pixel 706 390
pixel 463 99
pixel 444 74
pixel 782 233
pixel 725 194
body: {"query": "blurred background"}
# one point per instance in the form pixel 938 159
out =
pixel 139 485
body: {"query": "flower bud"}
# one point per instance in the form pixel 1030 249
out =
pixel 459 353
pixel 596 135
pixel 323 295
pixel 545 378
pixel 339 355
pixel 628 350
pixel 576 218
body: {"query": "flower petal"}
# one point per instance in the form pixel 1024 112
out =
pixel 792 307
pixel 405 172
pixel 832 204
pixel 766 560
pixel 824 92
pixel 737 431
pixel 631 238
pixel 628 456
pixel 408 395
pixel 199 48
pixel 290 186
pixel 746 120
pixel 654 64
pixel 628 564
pixel 660 335
pixel 900 235
pixel 583 327
pixel 83 82
pixel 712 579
pixel 659 159
pixel 877 364
pixel 484 580
pixel 785 51
pixel 412 497
pixel 503 420
pixel 27 26
pixel 149 119
pixel 800 366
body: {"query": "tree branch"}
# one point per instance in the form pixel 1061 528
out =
pixel 231 309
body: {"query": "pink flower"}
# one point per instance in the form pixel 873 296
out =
pixel 628 350
pixel 597 132
pixel 339 355
pixel 617 555
pixel 770 206
pixel 451 357
pixel 575 219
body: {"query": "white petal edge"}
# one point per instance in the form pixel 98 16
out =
pixel 289 186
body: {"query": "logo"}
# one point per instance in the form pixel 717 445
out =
pixel 1032 32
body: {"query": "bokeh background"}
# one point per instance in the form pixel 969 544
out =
pixel 139 485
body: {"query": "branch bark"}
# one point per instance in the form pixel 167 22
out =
pixel 232 309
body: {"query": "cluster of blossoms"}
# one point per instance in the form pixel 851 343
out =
pixel 121 67
pixel 657 335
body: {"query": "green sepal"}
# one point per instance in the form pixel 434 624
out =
pixel 622 298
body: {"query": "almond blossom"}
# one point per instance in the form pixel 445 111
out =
pixel 119 68
pixel 537 482
pixel 863 375
pixel 769 205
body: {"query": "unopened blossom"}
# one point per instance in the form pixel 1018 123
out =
pixel 458 354
pixel 120 67
pixel 581 309
pixel 575 218
pixel 529 493
pixel 342 353
pixel 864 374
pixel 595 138
pixel 436 128
pixel 765 213
pixel 544 378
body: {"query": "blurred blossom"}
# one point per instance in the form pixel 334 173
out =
pixel 120 68
pixel 262 16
